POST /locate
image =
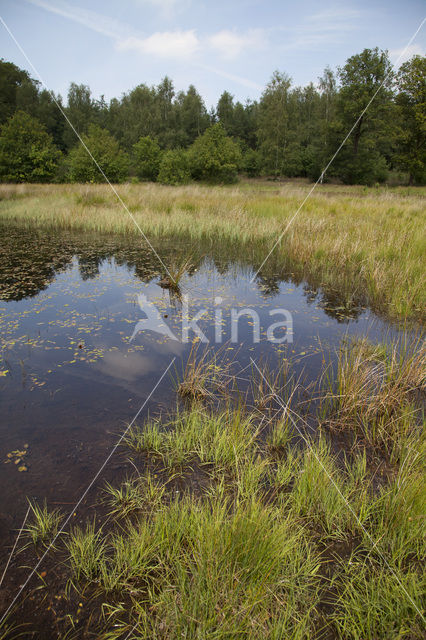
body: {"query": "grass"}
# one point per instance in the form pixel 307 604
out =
pixel 267 538
pixel 137 495
pixel 238 530
pixel 375 390
pixel 360 243
pixel 298 547
pixel 175 274
pixel 44 524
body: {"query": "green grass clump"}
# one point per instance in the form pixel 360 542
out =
pixel 208 437
pixel 44 524
pixel 264 550
pixel 207 569
pixel 86 548
pixel 376 388
pixel 140 494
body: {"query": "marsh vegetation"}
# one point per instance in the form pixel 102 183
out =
pixel 279 498
pixel 355 241
pixel 241 522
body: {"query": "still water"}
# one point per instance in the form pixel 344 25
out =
pixel 71 377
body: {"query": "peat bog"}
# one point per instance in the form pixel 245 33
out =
pixel 244 446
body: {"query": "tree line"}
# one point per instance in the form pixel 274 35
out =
pixel 154 133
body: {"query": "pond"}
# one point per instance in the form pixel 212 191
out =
pixel 75 369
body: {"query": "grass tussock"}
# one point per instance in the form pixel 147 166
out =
pixel 356 241
pixel 206 375
pixel 175 273
pixel 377 388
pixel 43 525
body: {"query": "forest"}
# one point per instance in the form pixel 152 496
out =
pixel 155 133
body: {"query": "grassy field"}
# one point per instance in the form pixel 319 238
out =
pixel 357 241
pixel 239 524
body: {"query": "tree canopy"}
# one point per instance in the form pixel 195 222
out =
pixel 290 131
pixel 27 152
pixel 214 156
pixel 105 150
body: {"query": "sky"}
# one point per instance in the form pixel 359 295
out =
pixel 113 46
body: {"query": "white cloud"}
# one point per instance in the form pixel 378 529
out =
pixel 176 44
pixel 398 56
pixel 165 44
pixel 230 43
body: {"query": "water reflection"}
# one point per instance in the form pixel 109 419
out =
pixel 71 378
pixel 30 259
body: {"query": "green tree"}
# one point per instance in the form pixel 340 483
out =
pixel 81 111
pixel 51 117
pixel 136 115
pixel 192 116
pixel 273 126
pixel 215 157
pixel 15 84
pixel 251 163
pixel 174 168
pixel 237 119
pixel 166 126
pixel 319 150
pixel 27 152
pixel 105 149
pixel 411 100
pixel 225 112
pixel 147 158
pixel 364 75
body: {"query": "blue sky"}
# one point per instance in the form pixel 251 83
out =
pixel 214 44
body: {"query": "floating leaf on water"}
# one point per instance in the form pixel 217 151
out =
pixel 22 468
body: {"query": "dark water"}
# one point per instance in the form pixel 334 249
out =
pixel 71 378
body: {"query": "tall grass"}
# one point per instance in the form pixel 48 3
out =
pixel 362 243
pixel 376 389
